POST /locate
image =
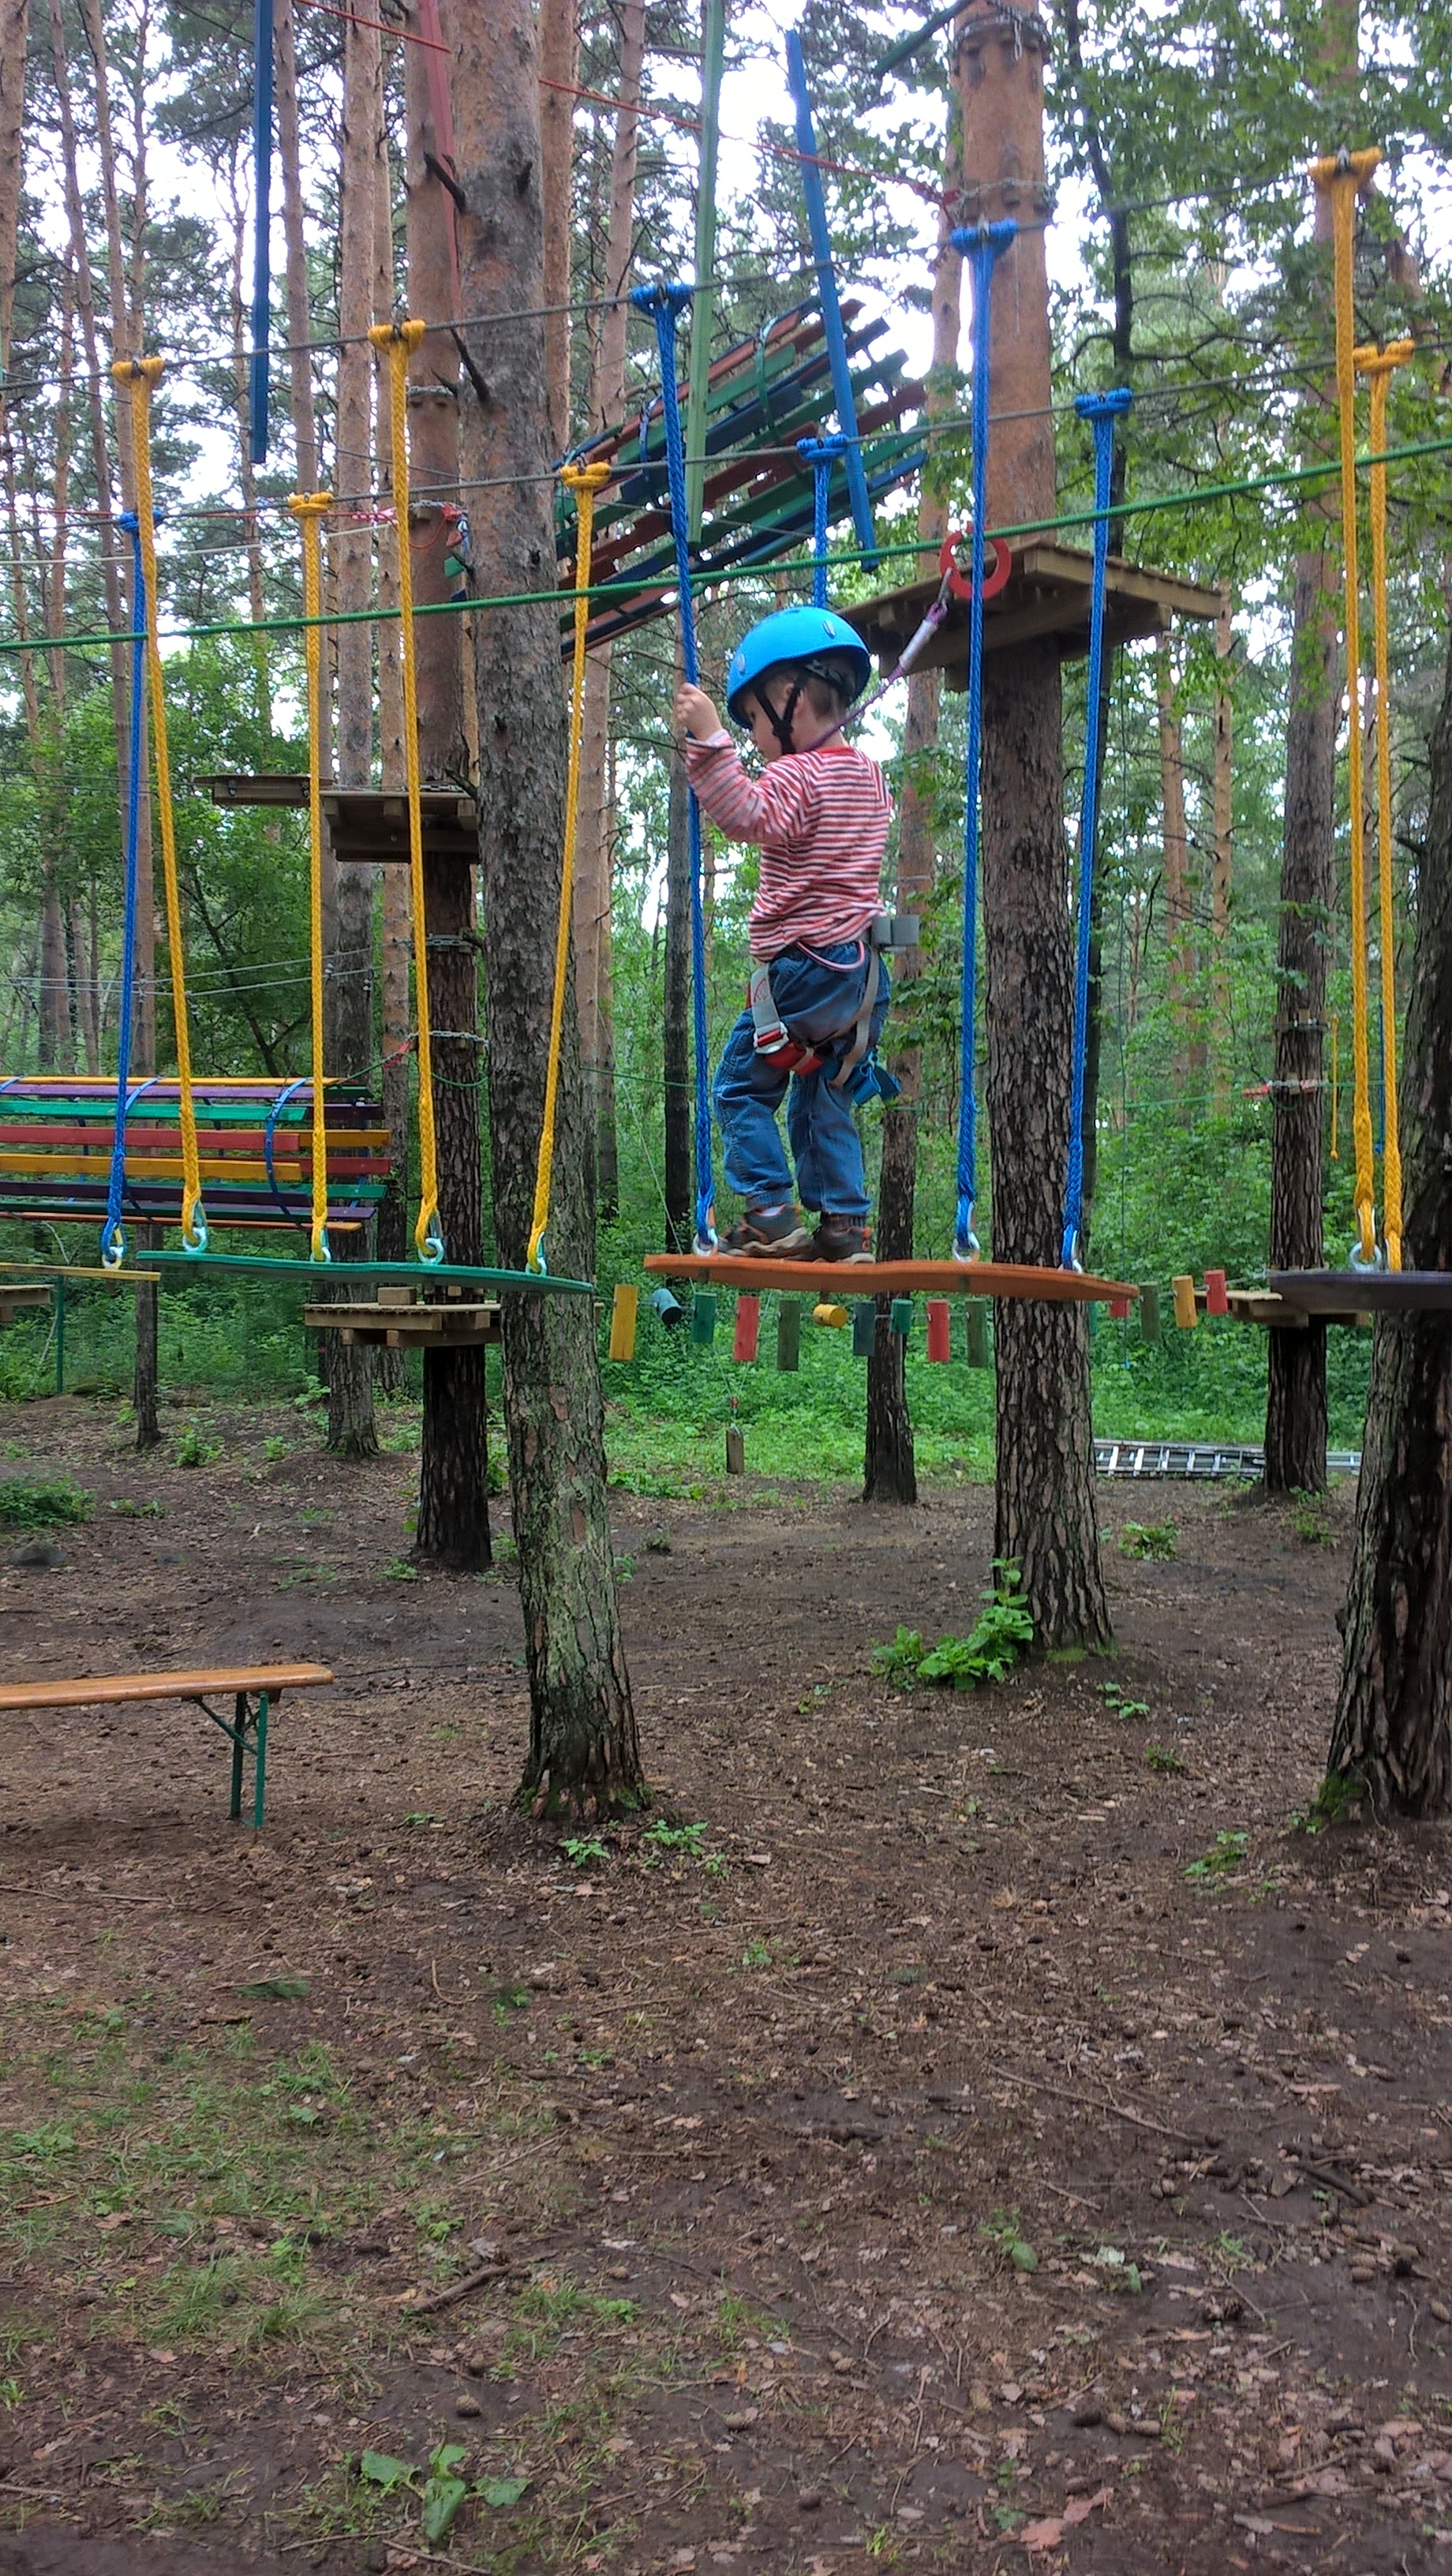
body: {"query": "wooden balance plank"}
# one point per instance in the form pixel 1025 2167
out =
pixel 890 1278
pixel 1367 1292
pixel 111 1689
pixel 1260 1306
pixel 408 1327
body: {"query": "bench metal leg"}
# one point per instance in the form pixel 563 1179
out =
pixel 238 1732
pixel 259 1763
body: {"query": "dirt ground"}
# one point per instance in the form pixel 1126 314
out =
pixel 915 2166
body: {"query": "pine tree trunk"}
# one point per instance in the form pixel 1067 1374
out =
pixel 146 1375
pixel 1393 1728
pixel 676 1056
pixel 584 1755
pixel 1046 1519
pixel 558 32
pixel 1176 846
pixel 1222 861
pixel 453 1505
pixel 390 1370
pixel 348 1367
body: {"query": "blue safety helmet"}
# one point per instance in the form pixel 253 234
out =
pixel 803 636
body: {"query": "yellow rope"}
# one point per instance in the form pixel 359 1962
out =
pixel 1379 365
pixel 1343 178
pixel 139 375
pixel 584 481
pixel 1335 1089
pixel 399 340
pixel 308 508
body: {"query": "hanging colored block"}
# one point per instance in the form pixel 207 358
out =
pixel 831 1318
pixel 788 1334
pixel 940 1336
pixel 703 1316
pixel 1149 1313
pixel 900 1318
pixel 864 1328
pixel 1216 1301
pixel 1187 1314
pixel 977 1332
pixel 748 1328
pixel 1118 1310
pixel 624 1308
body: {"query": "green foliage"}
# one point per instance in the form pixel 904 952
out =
pixel 1222 1860
pixel 1119 1705
pixel 1004 2233
pixel 1158 1539
pixel 27 1503
pixel 194 1449
pixel 999 1638
pixel 1161 1757
pixel 1337 1798
pixel 582 1851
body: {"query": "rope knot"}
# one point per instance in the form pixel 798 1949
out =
pixel 585 478
pixel 394 335
pixel 309 505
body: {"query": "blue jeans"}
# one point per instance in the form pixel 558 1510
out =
pixel 819 1004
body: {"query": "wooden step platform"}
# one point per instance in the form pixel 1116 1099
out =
pixel 398 1319
pixel 1367 1292
pixel 366 826
pixel 1262 1306
pixel 889 1278
pixel 1047 594
pixel 29 1292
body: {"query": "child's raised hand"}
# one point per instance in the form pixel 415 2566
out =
pixel 695 712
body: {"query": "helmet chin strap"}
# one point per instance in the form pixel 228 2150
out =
pixel 781 724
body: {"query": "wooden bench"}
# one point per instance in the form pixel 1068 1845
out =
pixel 256 1688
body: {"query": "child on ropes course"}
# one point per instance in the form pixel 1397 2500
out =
pixel 818 993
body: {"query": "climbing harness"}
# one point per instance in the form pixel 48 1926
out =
pixel 1101 411
pixel 397 341
pixel 113 1231
pixel 140 376
pixel 308 509
pixel 981 246
pixel 1342 178
pixel 665 304
pixel 1379 365
pixel 584 481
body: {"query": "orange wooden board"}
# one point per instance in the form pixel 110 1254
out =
pixel 271 1678
pixel 835 1279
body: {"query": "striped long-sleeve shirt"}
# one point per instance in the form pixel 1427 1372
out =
pixel 820 818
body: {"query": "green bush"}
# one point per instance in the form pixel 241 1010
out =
pixel 27 1505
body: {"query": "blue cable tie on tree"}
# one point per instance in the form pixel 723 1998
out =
pixel 113 1232
pixel 821 454
pixel 665 305
pixel 1101 411
pixel 982 246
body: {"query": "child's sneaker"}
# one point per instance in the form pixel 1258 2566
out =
pixel 771 1233
pixel 842 1238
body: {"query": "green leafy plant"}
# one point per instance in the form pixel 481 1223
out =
pixel 1338 1795
pixel 1222 1860
pixel 195 1450
pixel 1003 2232
pixel 38 1505
pixel 999 1637
pixel 1118 1706
pixel 124 1511
pixel 583 1850
pixel 441 2490
pixel 398 1570
pixel 275 1448
pixel 1162 1757
pixel 313 1394
pixel 660 1839
pixel 1309 1521
pixel 1116 2270
pixel 1158 1539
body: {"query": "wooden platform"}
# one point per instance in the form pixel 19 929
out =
pixel 815 1279
pixel 1261 1306
pixel 1375 1292
pixel 1047 593
pixel 366 826
pixel 398 1319
pixel 13 1293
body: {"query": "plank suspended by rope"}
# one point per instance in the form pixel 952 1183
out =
pixel 1101 411
pixel 982 246
pixel 309 509
pixel 1378 366
pixel 584 481
pixel 396 341
pixel 892 1278
pixel 113 1232
pixel 1342 179
pixel 140 376
pixel 665 305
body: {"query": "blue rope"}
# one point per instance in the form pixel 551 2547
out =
pixel 665 305
pixel 269 1142
pixel 1102 410
pixel 113 1232
pixel 982 245
pixel 821 454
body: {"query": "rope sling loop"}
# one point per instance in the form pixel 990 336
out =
pixel 821 454
pixel 1101 411
pixel 1379 365
pixel 113 1231
pixel 982 246
pixel 140 376
pixel 665 304
pixel 1343 178
pixel 584 481
pixel 398 341
pixel 308 508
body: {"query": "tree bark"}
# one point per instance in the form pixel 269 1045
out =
pixel 676 1059
pixel 348 1019
pixel 559 38
pixel 392 1224
pixel 1176 846
pixel 1393 1727
pixel 1222 859
pixel 584 1756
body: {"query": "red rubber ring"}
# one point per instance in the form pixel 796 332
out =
pixel 998 567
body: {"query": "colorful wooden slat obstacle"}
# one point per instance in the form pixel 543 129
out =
pixel 254 1140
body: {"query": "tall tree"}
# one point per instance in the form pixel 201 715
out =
pixel 1393 1728
pixel 584 1755
pixel 559 47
